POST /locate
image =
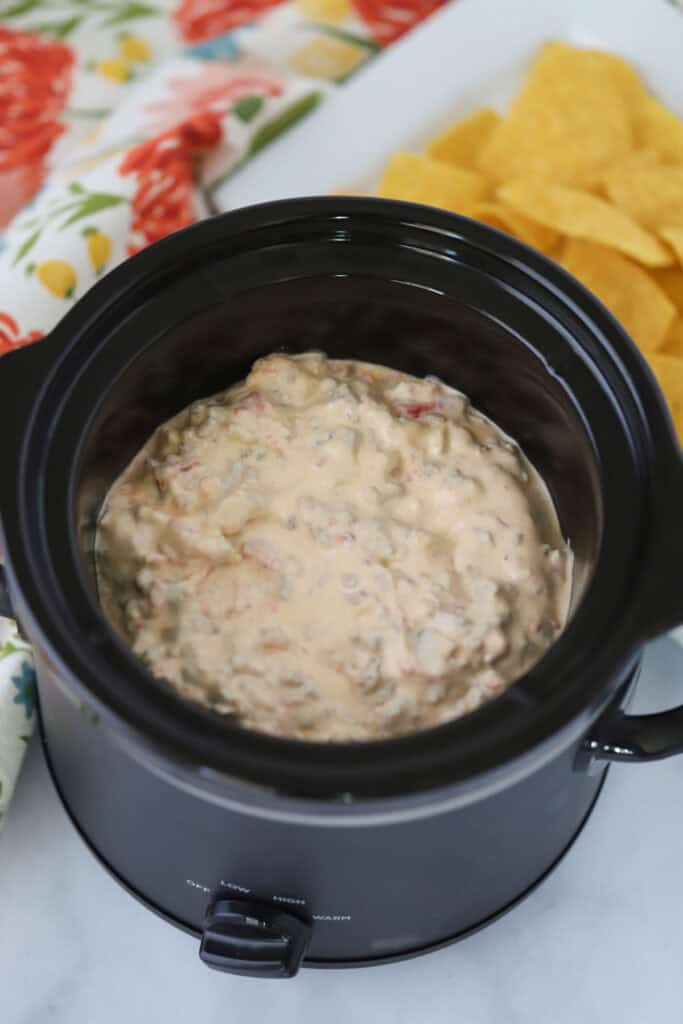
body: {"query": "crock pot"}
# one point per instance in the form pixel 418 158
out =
pixel 277 852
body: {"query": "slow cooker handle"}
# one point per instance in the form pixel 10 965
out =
pixel 22 371
pixel 618 736
pixel 622 737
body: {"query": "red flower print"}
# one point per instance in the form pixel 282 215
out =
pixel 164 168
pixel 16 188
pixel 34 86
pixel 188 124
pixel 390 19
pixel 198 20
pixel 215 90
pixel 10 336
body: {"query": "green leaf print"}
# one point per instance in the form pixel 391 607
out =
pixel 346 37
pixel 95 202
pixel 248 107
pixel 80 203
pixel 58 29
pixel 130 11
pixel 263 135
pixel 90 115
pixel 15 10
pixel 8 648
pixel 27 245
pixel 282 121
pixel 70 13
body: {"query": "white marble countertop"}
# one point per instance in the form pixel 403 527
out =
pixel 601 940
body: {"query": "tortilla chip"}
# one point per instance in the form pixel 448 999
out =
pixel 419 179
pixel 669 372
pixel 514 223
pixel 626 79
pixel 579 214
pixel 635 161
pixel 674 236
pixel 627 290
pixel 568 121
pixel 657 128
pixel 462 143
pixel 670 279
pixel 673 343
pixel 650 192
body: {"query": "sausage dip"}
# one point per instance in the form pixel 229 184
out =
pixel 333 550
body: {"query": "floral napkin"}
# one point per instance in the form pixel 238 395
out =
pixel 119 119
pixel 17 692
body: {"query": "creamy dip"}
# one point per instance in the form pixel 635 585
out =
pixel 333 550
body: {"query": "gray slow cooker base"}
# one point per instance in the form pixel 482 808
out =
pixel 374 961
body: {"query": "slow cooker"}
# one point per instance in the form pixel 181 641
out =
pixel 276 852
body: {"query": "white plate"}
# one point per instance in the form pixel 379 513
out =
pixel 470 53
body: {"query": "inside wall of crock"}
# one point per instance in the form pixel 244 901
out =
pixel 403 326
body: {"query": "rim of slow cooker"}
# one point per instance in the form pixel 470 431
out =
pixel 504 729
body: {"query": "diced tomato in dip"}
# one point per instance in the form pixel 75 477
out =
pixel 414 410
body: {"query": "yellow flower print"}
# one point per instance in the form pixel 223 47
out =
pixel 93 135
pixel 131 50
pixel 116 68
pixel 58 277
pixel 325 10
pixel 323 57
pixel 135 49
pixel 99 248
